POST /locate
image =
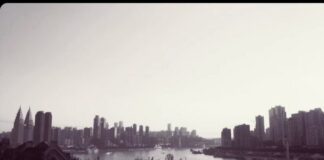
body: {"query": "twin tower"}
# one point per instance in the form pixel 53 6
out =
pixel 24 131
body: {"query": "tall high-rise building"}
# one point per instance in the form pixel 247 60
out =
pixel 140 134
pixel 314 125
pixel 48 127
pixel 115 130
pixel 242 136
pixel 28 127
pixel 87 135
pixel 278 125
pixel 96 127
pixel 267 134
pixel 296 129
pixel 147 130
pixel 17 133
pixel 176 131
pixel 134 129
pixel 183 131
pixel 56 134
pixel 120 128
pixel 226 138
pixel 103 134
pixel 121 124
pixel 259 127
pixel 78 137
pixel 141 131
pixel 39 127
pixel 169 130
pixel 193 133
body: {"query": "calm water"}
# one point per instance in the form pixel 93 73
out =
pixel 158 154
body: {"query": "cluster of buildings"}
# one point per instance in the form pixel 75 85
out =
pixel 302 129
pixel 100 134
pixel 26 130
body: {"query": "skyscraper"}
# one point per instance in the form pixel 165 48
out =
pixel 176 131
pixel 226 138
pixel 96 128
pixel 39 127
pixel 146 135
pixel 141 131
pixel 48 127
pixel 242 136
pixel 147 130
pixel 103 131
pixel 141 134
pixel 134 129
pixel 314 125
pixel 259 127
pixel 87 135
pixel 28 127
pixel 169 130
pixel 193 133
pixel 115 130
pixel 296 129
pixel 17 133
pixel 56 134
pixel 120 128
pixel 278 124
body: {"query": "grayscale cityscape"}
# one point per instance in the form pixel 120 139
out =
pixel 123 81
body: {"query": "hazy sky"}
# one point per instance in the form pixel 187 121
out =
pixel 202 66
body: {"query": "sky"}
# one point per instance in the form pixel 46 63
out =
pixel 201 66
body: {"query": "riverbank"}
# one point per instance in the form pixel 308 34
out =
pixel 113 149
pixel 262 154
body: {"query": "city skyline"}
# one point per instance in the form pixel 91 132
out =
pixel 204 66
pixel 100 134
pixel 99 122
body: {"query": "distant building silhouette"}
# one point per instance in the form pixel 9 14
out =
pixel 169 130
pixel 115 131
pixel 147 130
pixel 43 127
pixel 314 125
pixel 17 133
pixel 267 134
pixel 259 127
pixel 296 129
pixel 103 134
pixel 226 139
pixel 193 133
pixel 278 124
pixel 87 135
pixel 28 127
pixel 96 127
pixel 120 129
pixel 176 131
pixel 134 129
pixel 39 127
pixel 48 127
pixel 141 131
pixel 242 136
pixel 56 134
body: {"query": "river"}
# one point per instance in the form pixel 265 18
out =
pixel 145 154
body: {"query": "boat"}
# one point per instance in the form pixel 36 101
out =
pixel 157 146
pixel 195 152
pixel 92 149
